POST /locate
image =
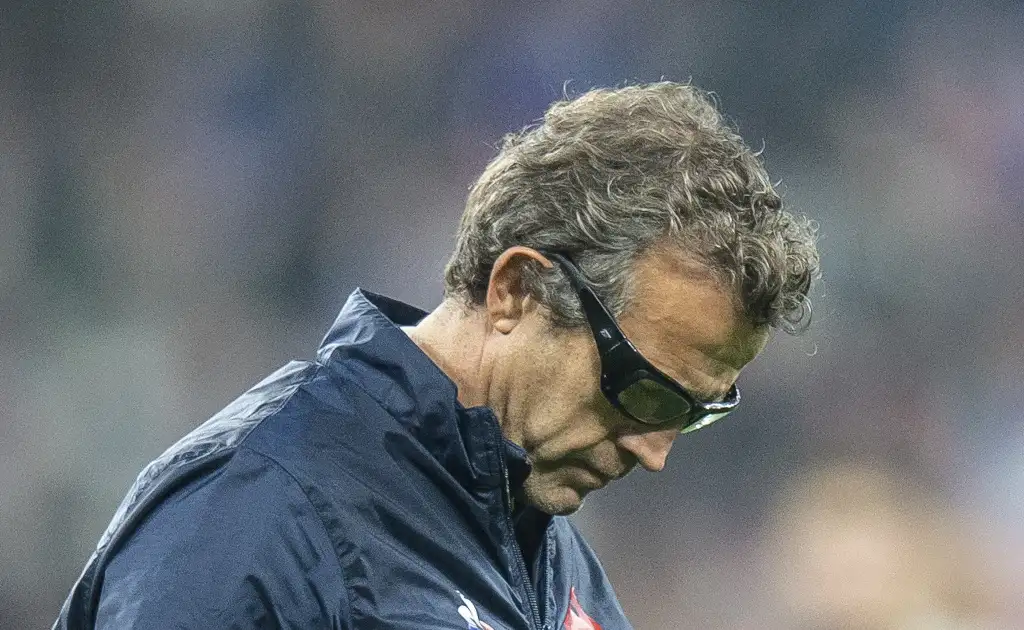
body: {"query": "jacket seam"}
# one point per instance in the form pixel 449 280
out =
pixel 319 518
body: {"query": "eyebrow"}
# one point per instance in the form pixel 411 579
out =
pixel 702 395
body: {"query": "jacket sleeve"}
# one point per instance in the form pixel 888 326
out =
pixel 240 548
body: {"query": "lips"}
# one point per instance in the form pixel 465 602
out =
pixel 602 478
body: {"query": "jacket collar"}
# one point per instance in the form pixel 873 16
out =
pixel 367 344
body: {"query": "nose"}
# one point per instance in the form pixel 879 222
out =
pixel 650 447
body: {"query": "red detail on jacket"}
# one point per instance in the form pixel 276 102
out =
pixel 576 618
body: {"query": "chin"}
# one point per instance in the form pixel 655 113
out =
pixel 560 501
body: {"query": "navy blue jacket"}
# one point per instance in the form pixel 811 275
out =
pixel 350 492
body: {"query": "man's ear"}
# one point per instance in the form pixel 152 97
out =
pixel 507 298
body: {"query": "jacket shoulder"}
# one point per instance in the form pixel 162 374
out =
pixel 202 455
pixel 214 439
pixel 242 545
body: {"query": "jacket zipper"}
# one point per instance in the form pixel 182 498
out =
pixel 520 562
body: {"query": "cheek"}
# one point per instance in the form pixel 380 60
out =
pixel 570 413
pixel 577 427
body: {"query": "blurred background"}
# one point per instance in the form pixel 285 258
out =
pixel 189 191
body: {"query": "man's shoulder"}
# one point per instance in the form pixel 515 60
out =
pixel 211 444
pixel 316 428
pixel 235 542
pixel 295 421
pixel 234 498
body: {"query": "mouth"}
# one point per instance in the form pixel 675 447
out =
pixel 601 479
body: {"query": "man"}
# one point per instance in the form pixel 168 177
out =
pixel 615 269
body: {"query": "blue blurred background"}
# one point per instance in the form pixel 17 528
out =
pixel 190 190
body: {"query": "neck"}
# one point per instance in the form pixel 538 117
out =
pixel 453 337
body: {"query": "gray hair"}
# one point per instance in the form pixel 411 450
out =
pixel 612 173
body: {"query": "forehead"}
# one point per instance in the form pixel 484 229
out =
pixel 686 323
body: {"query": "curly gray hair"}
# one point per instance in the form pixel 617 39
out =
pixel 610 174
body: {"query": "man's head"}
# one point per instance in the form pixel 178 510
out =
pixel 674 225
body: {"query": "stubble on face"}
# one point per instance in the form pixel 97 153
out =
pixel 559 483
pixel 560 418
pixel 684 321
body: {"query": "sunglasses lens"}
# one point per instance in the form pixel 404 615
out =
pixel 650 402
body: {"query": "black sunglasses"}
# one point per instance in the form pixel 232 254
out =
pixel 629 381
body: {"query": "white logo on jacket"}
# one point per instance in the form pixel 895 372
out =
pixel 468 612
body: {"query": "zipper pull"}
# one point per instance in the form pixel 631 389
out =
pixel 509 501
